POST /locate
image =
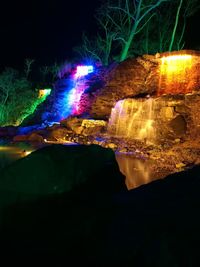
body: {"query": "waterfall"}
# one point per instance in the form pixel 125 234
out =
pixel 174 73
pixel 133 119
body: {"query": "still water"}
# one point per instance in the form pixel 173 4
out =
pixel 137 171
pixel 12 152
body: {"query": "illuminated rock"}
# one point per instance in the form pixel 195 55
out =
pixel 84 126
pixel 157 119
pixel 179 72
pixel 169 73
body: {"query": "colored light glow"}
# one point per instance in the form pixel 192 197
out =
pixel 69 100
pixel 26 153
pixel 176 63
pixel 174 73
pixel 83 70
pixel 44 92
pixel 74 97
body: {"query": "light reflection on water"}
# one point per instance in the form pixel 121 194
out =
pixel 12 152
pixel 137 171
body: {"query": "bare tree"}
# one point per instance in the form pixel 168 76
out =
pixel 90 48
pixel 129 27
pixel 44 70
pixel 100 47
pixel 54 70
pixel 137 14
pixel 28 64
pixel 189 7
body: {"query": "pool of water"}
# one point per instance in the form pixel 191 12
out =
pixel 12 152
pixel 137 171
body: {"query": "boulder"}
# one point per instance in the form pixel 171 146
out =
pixel 35 137
pixel 147 74
pixel 128 79
pixel 154 225
pixel 57 133
pixel 57 169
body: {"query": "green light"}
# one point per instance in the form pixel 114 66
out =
pixel 44 92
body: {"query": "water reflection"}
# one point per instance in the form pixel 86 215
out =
pixel 137 171
pixel 11 152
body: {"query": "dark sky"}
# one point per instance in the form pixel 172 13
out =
pixel 46 30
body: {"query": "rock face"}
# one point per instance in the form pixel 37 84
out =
pixel 171 79
pixel 128 79
pixel 157 119
pixel 84 126
pixel 167 73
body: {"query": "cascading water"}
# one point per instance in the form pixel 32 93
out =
pixel 133 119
pixel 174 73
pixel 70 91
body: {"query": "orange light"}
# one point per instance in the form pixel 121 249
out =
pixel 175 72
pixel 174 64
pixel 44 92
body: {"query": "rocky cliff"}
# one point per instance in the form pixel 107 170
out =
pixel 148 74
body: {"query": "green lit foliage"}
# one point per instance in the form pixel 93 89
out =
pixel 28 66
pixel 185 9
pixel 17 98
pixel 165 30
pixel 132 27
pixel 49 73
pixel 121 21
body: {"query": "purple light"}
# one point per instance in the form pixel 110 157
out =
pixel 75 97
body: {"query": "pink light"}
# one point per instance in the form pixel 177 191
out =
pixel 83 71
pixel 75 97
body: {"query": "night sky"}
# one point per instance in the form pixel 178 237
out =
pixel 47 30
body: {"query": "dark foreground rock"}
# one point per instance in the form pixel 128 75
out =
pixel 57 169
pixel 98 222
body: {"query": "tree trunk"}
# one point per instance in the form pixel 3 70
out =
pixel 175 25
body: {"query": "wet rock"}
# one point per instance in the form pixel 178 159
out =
pixel 8 131
pixel 180 165
pixel 145 75
pixel 34 137
pixel 93 127
pixel 167 112
pixel 112 146
pixel 20 138
pixel 128 79
pixel 178 125
pixel 58 133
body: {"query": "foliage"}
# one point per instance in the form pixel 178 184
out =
pixel 17 98
pixel 50 73
pixel 131 27
pixel 28 64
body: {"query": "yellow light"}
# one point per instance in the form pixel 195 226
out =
pixel 176 63
pixel 175 71
pixel 176 57
pixel 44 92
pixel 26 153
pixel 5 148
